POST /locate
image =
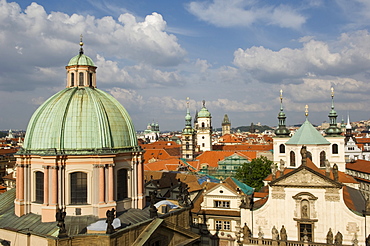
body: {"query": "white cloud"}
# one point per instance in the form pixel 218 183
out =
pixel 346 56
pixel 225 13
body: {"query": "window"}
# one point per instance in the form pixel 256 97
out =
pixel 78 188
pixel 203 125
pixel 222 225
pixel 334 148
pixel 90 79
pixel 122 191
pixel 187 146
pixel 39 187
pixel 292 159
pixel 203 144
pixel 305 230
pixel 322 158
pixel 282 148
pixel 72 79
pixel 81 79
pixel 222 204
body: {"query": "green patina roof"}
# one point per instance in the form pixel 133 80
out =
pixel 204 112
pixel 234 159
pixel 80 121
pixel 81 59
pixel 245 188
pixel 307 134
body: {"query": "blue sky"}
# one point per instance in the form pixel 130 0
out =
pixel 152 55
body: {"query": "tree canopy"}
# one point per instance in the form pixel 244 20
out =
pixel 254 172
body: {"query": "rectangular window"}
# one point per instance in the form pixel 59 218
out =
pixel 222 204
pixel 305 232
pixel 39 187
pixel 223 225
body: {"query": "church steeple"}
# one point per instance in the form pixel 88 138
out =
pixel 188 136
pixel 282 131
pixel 333 130
pixel 226 125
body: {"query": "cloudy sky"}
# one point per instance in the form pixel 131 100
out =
pixel 151 55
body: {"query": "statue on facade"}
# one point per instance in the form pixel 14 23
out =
pixel 329 237
pixel 273 170
pixel 60 216
pixel 275 233
pixel 282 166
pixel 327 168
pixel 304 155
pixel 246 233
pixel 338 239
pixel 111 214
pixel 335 172
pixel 283 234
pixel 152 209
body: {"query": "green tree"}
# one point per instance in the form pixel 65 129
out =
pixel 254 172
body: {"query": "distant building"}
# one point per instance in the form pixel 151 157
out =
pixel 226 125
pixel 203 127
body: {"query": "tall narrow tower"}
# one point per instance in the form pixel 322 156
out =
pixel 204 129
pixel 226 125
pixel 188 137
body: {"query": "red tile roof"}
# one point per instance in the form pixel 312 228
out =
pixel 359 165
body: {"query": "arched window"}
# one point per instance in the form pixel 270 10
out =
pixel 203 125
pixel 122 191
pixel 187 146
pixel 282 148
pixel 39 187
pixel 81 79
pixel 78 188
pixel 72 79
pixel 309 155
pixel 334 148
pixel 292 159
pixel 322 158
pixel 90 79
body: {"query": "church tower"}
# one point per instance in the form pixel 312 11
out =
pixel 204 129
pixel 337 141
pixel 226 125
pixel 80 152
pixel 281 135
pixel 188 137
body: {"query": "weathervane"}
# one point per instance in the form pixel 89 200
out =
pixel 187 102
pixel 332 97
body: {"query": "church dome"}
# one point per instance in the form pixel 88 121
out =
pixel 80 121
pixel 81 60
pixel 204 113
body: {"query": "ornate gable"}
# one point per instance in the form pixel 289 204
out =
pixel 305 177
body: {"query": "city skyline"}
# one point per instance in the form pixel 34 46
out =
pixel 236 55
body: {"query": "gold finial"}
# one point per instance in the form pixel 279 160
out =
pixel 306 110
pixel 281 94
pixel 187 102
pixel 81 43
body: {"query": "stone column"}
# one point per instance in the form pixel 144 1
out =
pixel 20 184
pixel 101 184
pixel 46 185
pixel 140 182
pixel 111 183
pixel 54 180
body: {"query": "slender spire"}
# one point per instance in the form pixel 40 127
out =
pixel 333 129
pixel 188 116
pixel 81 45
pixel 282 131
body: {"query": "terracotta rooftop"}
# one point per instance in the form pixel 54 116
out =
pixel 359 165
pixel 213 157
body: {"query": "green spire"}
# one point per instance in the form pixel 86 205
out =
pixel 282 131
pixel 333 129
pixel 188 129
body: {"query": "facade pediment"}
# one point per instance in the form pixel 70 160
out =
pixel 305 178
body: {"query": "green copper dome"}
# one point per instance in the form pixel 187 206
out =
pixel 307 134
pixel 78 121
pixel 81 59
pixel 204 113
